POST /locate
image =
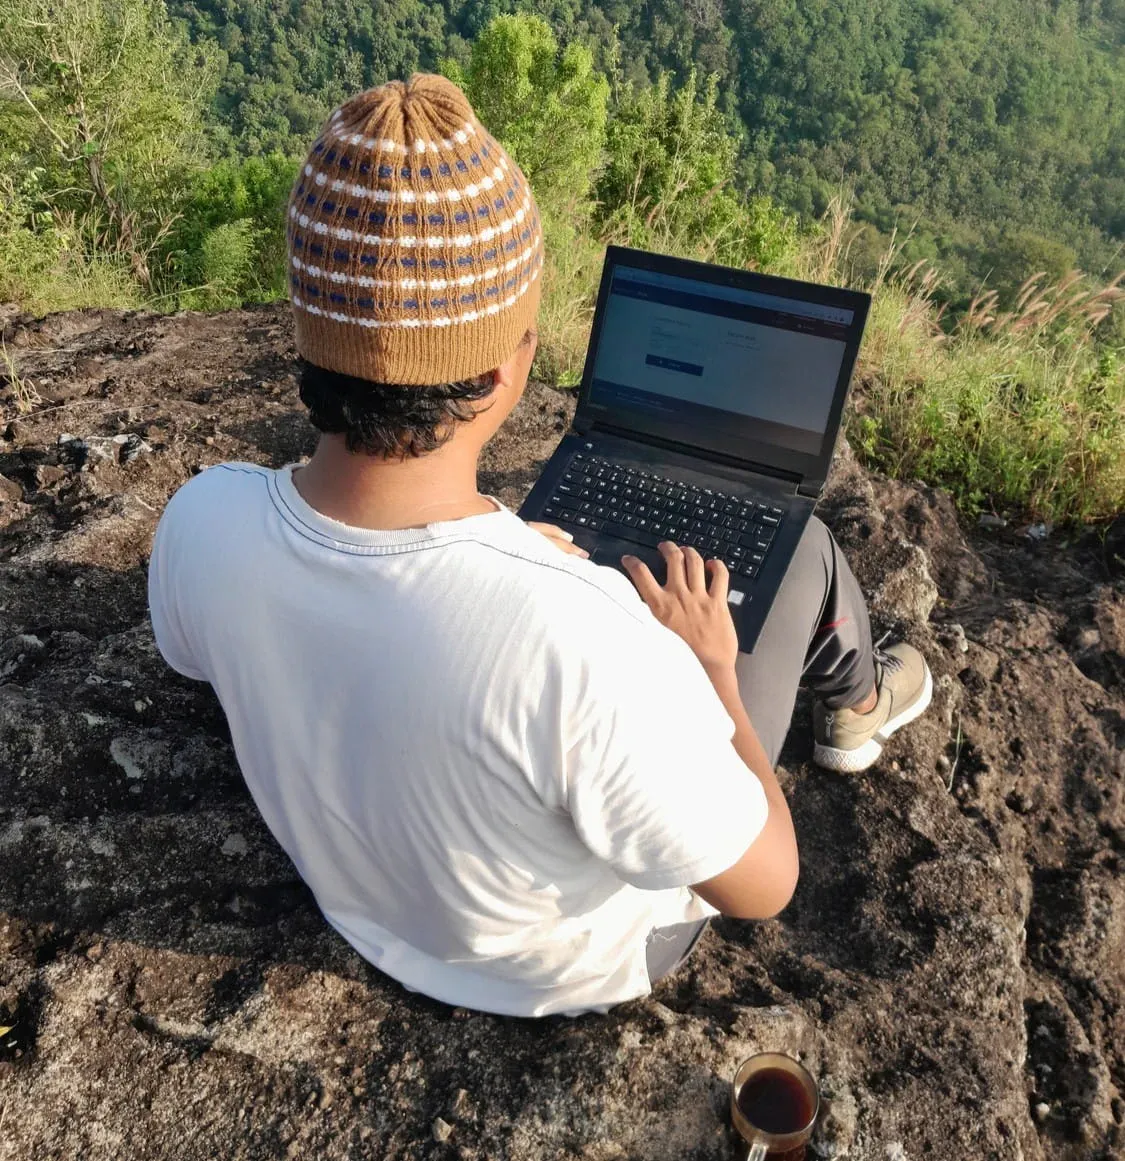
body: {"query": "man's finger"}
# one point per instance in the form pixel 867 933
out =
pixel 693 567
pixel 640 575
pixel 720 581
pixel 674 559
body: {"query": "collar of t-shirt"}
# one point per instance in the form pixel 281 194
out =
pixel 334 533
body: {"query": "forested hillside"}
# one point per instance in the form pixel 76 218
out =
pixel 965 163
pixel 995 129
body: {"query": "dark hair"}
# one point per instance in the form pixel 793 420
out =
pixel 381 419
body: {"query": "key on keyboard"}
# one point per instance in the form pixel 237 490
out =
pixel 645 508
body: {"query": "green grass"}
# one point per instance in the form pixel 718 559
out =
pixel 48 272
pixel 1020 413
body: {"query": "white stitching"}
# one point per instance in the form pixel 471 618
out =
pixel 386 145
pixel 407 196
pixel 413 323
pixel 413 283
pixel 411 240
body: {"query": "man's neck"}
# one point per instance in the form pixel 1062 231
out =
pixel 368 492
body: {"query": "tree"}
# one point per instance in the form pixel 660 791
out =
pixel 104 97
pixel 669 181
pixel 548 108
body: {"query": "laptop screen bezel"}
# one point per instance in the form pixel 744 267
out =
pixel 735 445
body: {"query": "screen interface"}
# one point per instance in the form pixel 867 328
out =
pixel 716 356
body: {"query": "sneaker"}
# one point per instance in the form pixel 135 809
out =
pixel 850 741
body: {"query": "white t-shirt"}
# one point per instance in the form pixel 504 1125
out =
pixel 495 769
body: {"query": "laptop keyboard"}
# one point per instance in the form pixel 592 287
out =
pixel 596 494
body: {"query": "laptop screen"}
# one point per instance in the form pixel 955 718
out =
pixel 719 358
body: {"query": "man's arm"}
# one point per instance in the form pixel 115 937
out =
pixel 762 881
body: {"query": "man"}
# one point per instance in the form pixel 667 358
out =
pixel 511 782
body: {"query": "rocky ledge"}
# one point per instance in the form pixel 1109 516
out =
pixel 952 967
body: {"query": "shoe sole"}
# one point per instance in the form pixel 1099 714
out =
pixel 860 758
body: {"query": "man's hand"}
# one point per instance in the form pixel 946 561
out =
pixel 563 541
pixel 686 606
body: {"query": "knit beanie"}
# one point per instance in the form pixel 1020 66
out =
pixel 415 248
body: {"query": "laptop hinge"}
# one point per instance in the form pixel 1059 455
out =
pixel 810 488
pixel 685 449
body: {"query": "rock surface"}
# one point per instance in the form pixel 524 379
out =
pixel 952 967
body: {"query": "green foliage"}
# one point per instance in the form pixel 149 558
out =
pixel 981 137
pixel 986 114
pixel 1023 254
pixel 1022 412
pixel 547 107
pixel 288 62
pixel 669 182
pixel 44 261
pixel 225 261
pixel 228 246
pixel 103 97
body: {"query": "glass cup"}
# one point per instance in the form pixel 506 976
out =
pixel 785 1092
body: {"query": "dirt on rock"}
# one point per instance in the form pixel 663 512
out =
pixel 952 967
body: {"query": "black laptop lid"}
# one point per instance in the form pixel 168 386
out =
pixel 746 366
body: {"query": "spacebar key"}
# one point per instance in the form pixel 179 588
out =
pixel 636 535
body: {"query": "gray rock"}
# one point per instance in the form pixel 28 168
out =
pixel 931 934
pixel 235 845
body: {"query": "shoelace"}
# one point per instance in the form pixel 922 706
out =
pixel 884 661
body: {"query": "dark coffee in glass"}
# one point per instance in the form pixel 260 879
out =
pixel 774 1105
pixel 776 1101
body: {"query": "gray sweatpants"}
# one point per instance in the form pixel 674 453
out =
pixel 817 634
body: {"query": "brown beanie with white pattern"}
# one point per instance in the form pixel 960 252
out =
pixel 415 248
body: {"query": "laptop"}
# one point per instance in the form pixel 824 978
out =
pixel 710 404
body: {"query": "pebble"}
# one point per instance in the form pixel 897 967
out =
pixel 1042 1111
pixel 462 1105
pixel 989 521
pixel 953 635
pixel 119 752
pixel 235 844
pixel 10 491
pixel 73 451
pixel 443 1130
pixel 48 474
pixel 131 448
pixel 326 1099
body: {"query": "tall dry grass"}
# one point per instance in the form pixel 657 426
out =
pixel 1020 411
pixel 21 395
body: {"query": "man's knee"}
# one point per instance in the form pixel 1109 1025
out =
pixel 816 543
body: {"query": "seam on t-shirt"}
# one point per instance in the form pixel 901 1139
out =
pixel 261 473
pixel 323 541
